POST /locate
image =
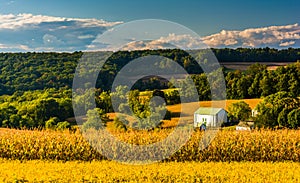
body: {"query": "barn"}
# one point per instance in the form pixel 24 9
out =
pixel 212 117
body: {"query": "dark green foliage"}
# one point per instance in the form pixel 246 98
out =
pixel 202 86
pixel 274 110
pixel 45 109
pixel 257 55
pixel 35 71
pixel 120 122
pixel 158 93
pixel 150 83
pixel 96 118
pixel 283 117
pixel 149 113
pixel 239 111
pixel 294 118
pixel 63 125
pixel 35 108
pixel 38 71
pixel 51 123
pixel 172 97
pixel 8 115
pixel 258 82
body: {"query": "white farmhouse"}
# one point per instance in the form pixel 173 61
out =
pixel 213 117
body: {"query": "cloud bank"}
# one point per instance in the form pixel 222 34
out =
pixel 27 32
pixel 273 36
pixel 169 42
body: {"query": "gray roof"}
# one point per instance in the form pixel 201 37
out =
pixel 208 110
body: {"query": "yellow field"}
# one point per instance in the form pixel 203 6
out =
pixel 227 146
pixel 256 156
pixel 252 103
pixel 107 171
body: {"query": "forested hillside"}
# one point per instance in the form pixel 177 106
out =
pixel 35 88
pixel 257 55
pixel 37 71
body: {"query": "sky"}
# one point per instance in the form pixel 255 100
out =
pixel 60 25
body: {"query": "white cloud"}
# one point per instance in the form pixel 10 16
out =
pixel 169 42
pixel 230 42
pixel 88 36
pixel 184 41
pixel 11 21
pixel 289 43
pixel 17 47
pixel 147 45
pixel 44 33
pixel 51 40
pixel 273 36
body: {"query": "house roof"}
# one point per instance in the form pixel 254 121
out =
pixel 246 124
pixel 208 111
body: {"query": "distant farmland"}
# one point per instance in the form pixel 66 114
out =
pixel 244 65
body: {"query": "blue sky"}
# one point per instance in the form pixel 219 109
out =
pixel 204 17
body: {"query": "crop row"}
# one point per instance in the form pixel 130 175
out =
pixel 264 145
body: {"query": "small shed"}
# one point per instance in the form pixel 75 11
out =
pixel 244 126
pixel 209 116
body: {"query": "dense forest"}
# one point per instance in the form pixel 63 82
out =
pixel 257 55
pixel 35 88
pixel 38 71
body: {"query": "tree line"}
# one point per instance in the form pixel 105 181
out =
pixel 38 71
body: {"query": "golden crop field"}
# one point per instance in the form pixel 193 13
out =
pixel 264 145
pixel 64 156
pixel 109 171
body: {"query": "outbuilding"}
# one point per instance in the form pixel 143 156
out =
pixel 212 117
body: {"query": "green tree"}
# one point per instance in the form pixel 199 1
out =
pixel 103 101
pixel 51 123
pixel 270 108
pixel 294 84
pixel 84 101
pixel 254 90
pixel 96 118
pixel 8 116
pixel 294 118
pixel 283 117
pixel 120 122
pixel 45 109
pixel 266 84
pixel 63 125
pixel 239 111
